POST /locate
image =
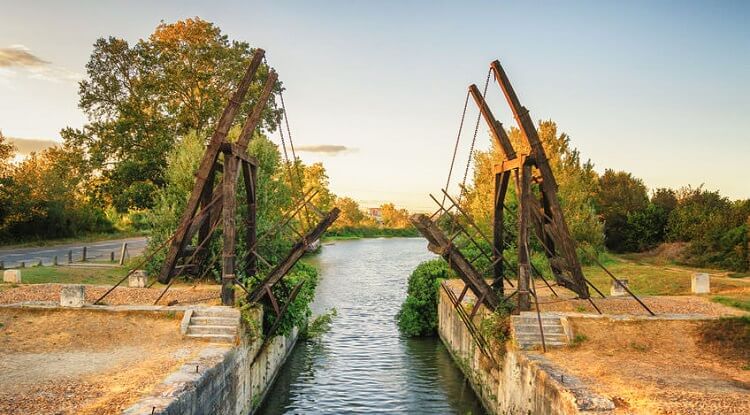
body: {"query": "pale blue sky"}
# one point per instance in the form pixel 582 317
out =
pixel 657 88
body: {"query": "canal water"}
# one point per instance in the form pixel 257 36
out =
pixel 363 365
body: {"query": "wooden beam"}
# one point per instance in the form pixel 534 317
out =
pixel 564 242
pixel 524 262
pixel 293 256
pixel 498 227
pixel 496 128
pixel 440 244
pixel 229 231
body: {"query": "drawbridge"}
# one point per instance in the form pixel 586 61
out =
pixel 213 206
pixel 451 231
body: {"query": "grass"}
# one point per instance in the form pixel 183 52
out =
pixel 735 301
pixel 578 340
pixel 72 275
pixel 646 278
pixel 729 336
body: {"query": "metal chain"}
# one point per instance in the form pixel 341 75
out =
pixel 455 147
pixel 474 138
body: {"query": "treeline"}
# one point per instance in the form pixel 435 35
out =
pixel 616 211
pixel 714 228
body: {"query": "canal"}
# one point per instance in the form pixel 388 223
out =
pixel 363 364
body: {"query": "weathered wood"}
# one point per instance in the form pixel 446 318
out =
pixel 209 158
pixel 498 237
pixel 524 265
pixel 249 177
pixel 564 242
pixel 228 273
pixel 293 256
pixel 440 244
pixel 496 128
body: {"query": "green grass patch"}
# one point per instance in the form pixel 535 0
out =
pixel 651 279
pixel 742 304
pixel 72 275
pixel 578 340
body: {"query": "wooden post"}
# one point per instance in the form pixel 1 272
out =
pixel 524 265
pixel 83 256
pixel 228 273
pixel 54 261
pixel 123 250
pixel 250 177
pixel 70 256
pixel 498 228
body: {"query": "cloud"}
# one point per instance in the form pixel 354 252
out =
pixel 331 149
pixel 19 59
pixel 19 55
pixel 26 146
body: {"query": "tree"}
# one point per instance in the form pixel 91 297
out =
pixel 351 215
pixel 6 152
pixel 620 194
pixel 394 218
pixel 139 99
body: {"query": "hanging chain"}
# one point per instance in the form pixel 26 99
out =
pixel 455 147
pixel 474 138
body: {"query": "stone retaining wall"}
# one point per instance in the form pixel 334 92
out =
pixel 522 383
pixel 224 380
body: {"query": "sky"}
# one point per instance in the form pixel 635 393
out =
pixel 375 90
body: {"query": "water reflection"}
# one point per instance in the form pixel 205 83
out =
pixel 363 364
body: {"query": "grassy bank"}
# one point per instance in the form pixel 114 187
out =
pixel 358 233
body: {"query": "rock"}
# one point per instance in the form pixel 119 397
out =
pixel 700 283
pixel 12 276
pixel 616 290
pixel 72 296
pixel 138 279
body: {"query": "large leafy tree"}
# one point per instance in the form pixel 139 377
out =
pixel 620 195
pixel 140 98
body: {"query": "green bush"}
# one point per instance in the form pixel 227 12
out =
pixel 418 313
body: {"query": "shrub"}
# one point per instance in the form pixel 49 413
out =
pixel 418 313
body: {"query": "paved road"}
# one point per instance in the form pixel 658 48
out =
pixel 94 251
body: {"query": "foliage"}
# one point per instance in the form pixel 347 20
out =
pixel 42 199
pixel 394 218
pixel 418 313
pixel 496 328
pixel 715 227
pixel 140 98
pixel 298 312
pixel 320 325
pixel 620 195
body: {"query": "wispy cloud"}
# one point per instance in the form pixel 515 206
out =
pixel 19 59
pixel 330 149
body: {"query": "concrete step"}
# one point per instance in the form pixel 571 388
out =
pixel 523 320
pixel 213 338
pixel 226 312
pixel 214 321
pixel 534 328
pixel 228 330
pixel 538 339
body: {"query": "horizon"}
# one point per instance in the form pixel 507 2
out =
pixel 356 92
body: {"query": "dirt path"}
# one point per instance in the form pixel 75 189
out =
pixel 656 367
pixel 81 362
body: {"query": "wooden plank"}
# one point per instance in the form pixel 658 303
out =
pixel 565 242
pixel 293 256
pixel 209 158
pixel 496 128
pixel 441 245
